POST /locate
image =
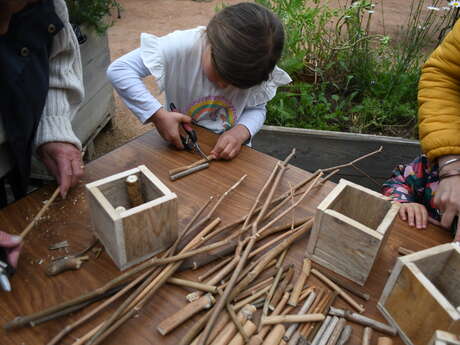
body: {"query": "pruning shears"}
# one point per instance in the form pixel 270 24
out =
pixel 190 141
pixel 6 270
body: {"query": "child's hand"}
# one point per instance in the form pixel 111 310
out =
pixel 229 143
pixel 167 123
pixel 414 213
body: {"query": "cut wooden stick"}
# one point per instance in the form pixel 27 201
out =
pixel 367 335
pixel 39 214
pixel 271 320
pixel 384 341
pixel 282 287
pixel 345 335
pixel 328 331
pixel 347 286
pixel 303 310
pixel 363 320
pixel 337 331
pixel 404 251
pixel 323 308
pixel 230 330
pixel 252 298
pixel 249 328
pixel 274 337
pixel 133 187
pixel 298 285
pixel 380 149
pixel 340 291
pixel 194 164
pixel 191 284
pixel 188 171
pixel 185 313
pixel 321 330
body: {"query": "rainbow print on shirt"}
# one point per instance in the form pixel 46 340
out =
pixel 213 112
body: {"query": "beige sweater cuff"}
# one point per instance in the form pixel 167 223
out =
pixel 56 128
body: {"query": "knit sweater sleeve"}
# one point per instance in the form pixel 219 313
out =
pixel 66 91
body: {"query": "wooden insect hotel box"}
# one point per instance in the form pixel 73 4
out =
pixel 444 338
pixel 351 226
pixel 422 294
pixel 134 215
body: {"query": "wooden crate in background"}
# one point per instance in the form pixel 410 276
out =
pixel 351 226
pixel 137 233
pixel 422 294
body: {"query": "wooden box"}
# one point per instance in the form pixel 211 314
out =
pixel 422 294
pixel 137 233
pixel 444 338
pixel 351 226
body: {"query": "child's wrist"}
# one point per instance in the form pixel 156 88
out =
pixel 242 133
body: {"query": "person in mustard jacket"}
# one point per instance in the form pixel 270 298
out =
pixel 439 122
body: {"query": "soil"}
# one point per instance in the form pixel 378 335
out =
pixel 163 16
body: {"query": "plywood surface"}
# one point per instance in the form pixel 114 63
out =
pixel 69 219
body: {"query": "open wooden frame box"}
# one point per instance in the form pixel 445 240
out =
pixel 351 226
pixel 422 294
pixel 137 233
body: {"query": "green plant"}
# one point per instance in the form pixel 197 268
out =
pixel 347 77
pixel 95 14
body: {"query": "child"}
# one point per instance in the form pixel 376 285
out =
pixel 414 186
pixel 220 77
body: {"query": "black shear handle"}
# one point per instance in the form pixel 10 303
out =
pixel 186 127
pixel 10 270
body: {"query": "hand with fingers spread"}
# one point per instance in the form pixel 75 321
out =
pixel 12 245
pixel 414 214
pixel 64 161
pixel 167 123
pixel 229 143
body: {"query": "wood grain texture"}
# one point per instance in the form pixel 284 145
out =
pixel 422 294
pixel 69 220
pixel 351 225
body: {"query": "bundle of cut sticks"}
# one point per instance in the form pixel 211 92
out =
pixel 249 274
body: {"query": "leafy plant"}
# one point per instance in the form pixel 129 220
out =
pixel 345 76
pixel 95 14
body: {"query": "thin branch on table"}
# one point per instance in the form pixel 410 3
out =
pixel 380 149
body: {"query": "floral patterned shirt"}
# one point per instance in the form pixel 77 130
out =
pixel 415 182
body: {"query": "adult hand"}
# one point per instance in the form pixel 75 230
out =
pixel 63 160
pixel 229 143
pixel 12 245
pixel 414 213
pixel 167 123
pixel 447 196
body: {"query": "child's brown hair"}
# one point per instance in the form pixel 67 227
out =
pixel 246 42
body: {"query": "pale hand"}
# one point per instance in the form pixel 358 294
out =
pixel 167 123
pixel 447 196
pixel 12 245
pixel 414 214
pixel 229 143
pixel 63 160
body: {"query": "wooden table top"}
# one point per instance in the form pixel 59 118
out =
pixel 69 220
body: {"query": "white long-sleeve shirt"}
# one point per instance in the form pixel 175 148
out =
pixel 175 62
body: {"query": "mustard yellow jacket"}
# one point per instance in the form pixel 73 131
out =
pixel 439 99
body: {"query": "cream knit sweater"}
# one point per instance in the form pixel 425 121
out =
pixel 65 85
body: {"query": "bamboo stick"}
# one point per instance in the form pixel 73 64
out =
pixel 252 298
pixel 300 282
pixel 29 227
pixel 194 164
pixel 133 188
pixel 363 320
pixel 345 335
pixel 274 337
pixel 340 291
pixel 337 331
pixel 283 286
pixel 155 284
pixel 69 328
pixel 328 331
pixel 321 330
pixel 228 290
pixel 273 286
pixel 384 341
pixel 191 284
pixel 214 269
pixel 323 309
pixel 167 325
pixel 249 328
pixel 367 335
pixel 303 310
pixel 189 171
pixel 271 320
pixel 347 286
pixel 230 330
